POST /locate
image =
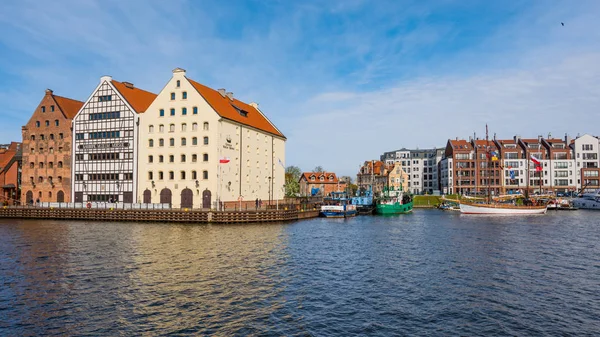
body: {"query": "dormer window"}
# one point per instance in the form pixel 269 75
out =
pixel 330 178
pixel 312 178
pixel 322 178
pixel 242 112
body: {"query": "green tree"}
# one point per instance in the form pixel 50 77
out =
pixel 292 175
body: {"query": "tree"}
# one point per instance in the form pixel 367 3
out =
pixel 318 169
pixel 292 186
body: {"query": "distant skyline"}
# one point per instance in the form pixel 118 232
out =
pixel 345 81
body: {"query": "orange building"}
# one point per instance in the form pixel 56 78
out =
pixel 323 182
pixel 47 140
pixel 10 173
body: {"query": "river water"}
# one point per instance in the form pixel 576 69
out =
pixel 426 273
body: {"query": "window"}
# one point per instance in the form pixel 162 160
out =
pixel 49 194
pixel 161 112
pixel 79 136
pixel 150 175
pixel 205 157
pixel 172 112
pixel 150 128
pixel 194 158
pixel 42 137
pixel 31 165
pixel 161 142
pixel 171 158
pixel 161 128
pixel 183 111
pixel 194 126
pixel 51 136
pixel 50 164
pixel 184 95
pixel 105 134
pixel 204 174
pixel 60 164
pixel 178 83
pixel 171 127
pixel 183 158
pixel 205 140
pixel 43 109
pixel 161 158
pixel 150 142
pixel 183 141
pixel 160 175
pixel 171 141
pixel 171 175
pixel 172 96
pixel 61 136
pixel 183 127
pixel 40 179
pixel 41 165
pixel 59 178
pixel 56 123
pixel 105 98
pixel 51 150
pixel 37 124
pixel 150 159
pixel 47 123
pixel 32 137
pixel 195 110
pixel 194 141
pixel 182 175
pixel 194 175
pixel 205 126
pixel 52 108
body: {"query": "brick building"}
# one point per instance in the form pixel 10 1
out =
pixel 10 175
pixel 323 183
pixel 47 140
pixel 372 176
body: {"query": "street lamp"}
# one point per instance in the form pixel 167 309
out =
pixel 269 191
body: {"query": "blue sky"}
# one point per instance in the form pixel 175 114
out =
pixel 343 80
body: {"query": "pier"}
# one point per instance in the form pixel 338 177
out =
pixel 170 216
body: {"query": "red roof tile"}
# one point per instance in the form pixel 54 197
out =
pixel 68 106
pixel 228 108
pixel 139 99
pixel 318 175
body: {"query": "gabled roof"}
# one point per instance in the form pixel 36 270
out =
pixel 481 144
pixel 460 144
pixel 139 99
pixel 230 109
pixel 318 175
pixel 68 106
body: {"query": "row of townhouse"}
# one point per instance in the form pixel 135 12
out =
pixel 188 146
pixel 566 165
pixel 376 175
pixel 420 166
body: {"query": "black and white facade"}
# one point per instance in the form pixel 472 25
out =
pixel 104 153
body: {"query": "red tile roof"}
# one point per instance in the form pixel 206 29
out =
pixel 460 144
pixel 228 108
pixel 68 106
pixel 139 99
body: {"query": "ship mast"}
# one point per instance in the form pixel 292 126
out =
pixel 489 158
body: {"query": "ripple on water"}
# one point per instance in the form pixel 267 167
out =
pixel 428 273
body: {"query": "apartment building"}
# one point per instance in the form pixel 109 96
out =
pixel 47 143
pixel 587 154
pixel 421 165
pixel 105 145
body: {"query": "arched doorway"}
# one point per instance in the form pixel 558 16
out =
pixel 60 196
pixel 165 196
pixel 187 198
pixel 29 197
pixel 147 196
pixel 206 199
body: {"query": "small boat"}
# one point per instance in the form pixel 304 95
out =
pixel 561 205
pixel 364 203
pixel 394 202
pixel 338 205
pixel 500 208
pixel 445 206
pixel 588 201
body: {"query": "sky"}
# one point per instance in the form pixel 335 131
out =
pixel 344 81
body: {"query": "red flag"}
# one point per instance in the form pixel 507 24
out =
pixel 535 160
pixel 538 168
pixel 224 160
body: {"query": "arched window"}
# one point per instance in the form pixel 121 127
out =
pixel 41 165
pixel 42 137
pixel 161 142
pixel 160 175
pixel 31 165
pixel 47 123
pixel 171 127
pixel 32 137
pixel 151 128
pixel 205 140
pixel 178 83
pixel 37 124
pixel 171 141
pixel 56 122
pixel 194 126
pixel 194 141
pixel 182 175
pixel 161 158
pixel 151 142
pixel 51 150
pixel 171 175
pixel 150 175
pixel 184 95
pixel 150 158
pixel 194 175
pixel 49 194
pixel 172 96
pixel 184 127
pixel 205 157
pixel 171 158
pixel 50 164
pixel 161 112
pixel 51 136
pixel 183 111
pixel 60 164
pixel 195 110
pixel 40 179
pixel 59 179
pixel 204 174
pixel 172 112
pixel 161 128
pixel 205 127
pixel 194 158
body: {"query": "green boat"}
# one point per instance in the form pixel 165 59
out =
pixel 394 202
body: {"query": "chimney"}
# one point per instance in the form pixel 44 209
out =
pixel 539 138
pixel 222 92
pixel 128 85
pixel 49 92
pixel 517 138
pixel 230 95
pixel 567 139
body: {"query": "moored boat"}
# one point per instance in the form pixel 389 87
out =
pixel 338 205
pixel 394 202
pixel 588 201
pixel 364 203
pixel 500 208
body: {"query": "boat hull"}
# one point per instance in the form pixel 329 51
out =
pixel 583 203
pixel 385 209
pixel 340 211
pixel 501 209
